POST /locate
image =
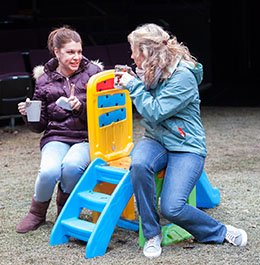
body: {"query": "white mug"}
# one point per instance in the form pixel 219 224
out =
pixel 33 109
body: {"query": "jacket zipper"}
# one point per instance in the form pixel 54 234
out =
pixel 69 85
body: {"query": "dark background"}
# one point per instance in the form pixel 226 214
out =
pixel 221 34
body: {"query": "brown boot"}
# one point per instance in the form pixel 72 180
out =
pixel 34 218
pixel 60 200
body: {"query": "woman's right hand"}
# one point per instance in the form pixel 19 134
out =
pixel 22 107
pixel 124 78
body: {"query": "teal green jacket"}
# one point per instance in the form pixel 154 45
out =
pixel 171 110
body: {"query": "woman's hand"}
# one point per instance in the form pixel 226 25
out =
pixel 22 107
pixel 74 102
pixel 124 78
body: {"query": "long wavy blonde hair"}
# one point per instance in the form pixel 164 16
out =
pixel 158 48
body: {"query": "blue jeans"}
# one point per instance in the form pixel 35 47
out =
pixel 60 162
pixel 183 170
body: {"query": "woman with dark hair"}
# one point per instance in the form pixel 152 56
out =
pixel 64 144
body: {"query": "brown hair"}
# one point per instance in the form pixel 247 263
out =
pixel 60 36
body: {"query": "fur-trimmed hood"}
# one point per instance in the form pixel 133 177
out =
pixel 39 70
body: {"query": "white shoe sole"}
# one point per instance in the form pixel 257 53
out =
pixel 153 255
pixel 244 238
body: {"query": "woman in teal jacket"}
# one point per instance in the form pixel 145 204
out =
pixel 165 93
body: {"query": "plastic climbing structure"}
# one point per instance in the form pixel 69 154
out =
pixel 105 187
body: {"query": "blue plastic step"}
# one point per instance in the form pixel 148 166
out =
pixel 109 174
pixel 107 221
pixel 78 228
pixel 94 201
pixel 128 224
pixel 111 207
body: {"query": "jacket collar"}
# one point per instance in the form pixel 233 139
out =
pixel 51 66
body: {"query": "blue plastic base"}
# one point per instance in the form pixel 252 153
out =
pixel 207 196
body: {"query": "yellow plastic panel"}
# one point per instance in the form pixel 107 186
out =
pixel 114 140
pixel 111 141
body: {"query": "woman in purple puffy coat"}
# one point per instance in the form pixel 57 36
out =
pixel 64 144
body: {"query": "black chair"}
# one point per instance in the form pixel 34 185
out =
pixel 15 85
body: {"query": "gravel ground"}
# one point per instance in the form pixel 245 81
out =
pixel 232 165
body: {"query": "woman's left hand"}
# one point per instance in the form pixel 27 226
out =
pixel 74 103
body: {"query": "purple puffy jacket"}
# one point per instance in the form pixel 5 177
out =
pixel 59 124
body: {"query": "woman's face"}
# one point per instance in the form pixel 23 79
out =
pixel 69 57
pixel 138 58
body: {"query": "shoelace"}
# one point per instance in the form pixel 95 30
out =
pixel 151 242
pixel 230 237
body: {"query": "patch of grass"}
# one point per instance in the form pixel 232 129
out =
pixel 233 143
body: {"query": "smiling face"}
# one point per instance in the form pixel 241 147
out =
pixel 138 57
pixel 69 57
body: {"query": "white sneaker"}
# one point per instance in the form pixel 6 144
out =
pixel 152 247
pixel 235 236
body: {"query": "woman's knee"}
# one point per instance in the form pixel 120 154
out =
pixel 47 177
pixel 139 171
pixel 71 173
pixel 70 168
pixel 170 210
